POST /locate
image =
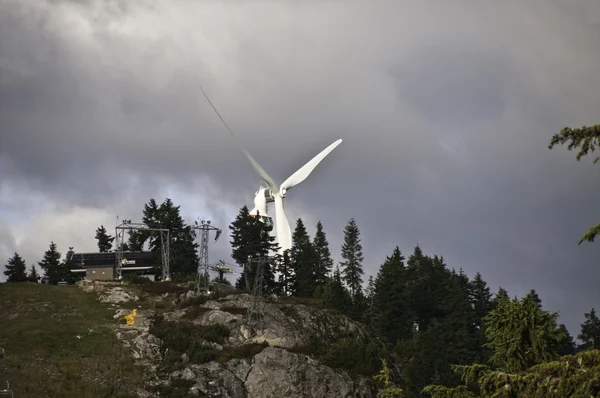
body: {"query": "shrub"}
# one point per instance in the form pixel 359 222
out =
pixel 196 300
pixel 185 337
pixel 244 351
pixel 355 355
pixel 195 312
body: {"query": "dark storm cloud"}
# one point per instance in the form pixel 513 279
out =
pixel 445 111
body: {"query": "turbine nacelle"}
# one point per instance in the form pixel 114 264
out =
pixel 276 193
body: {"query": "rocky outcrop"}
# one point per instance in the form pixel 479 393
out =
pixel 284 325
pixel 274 372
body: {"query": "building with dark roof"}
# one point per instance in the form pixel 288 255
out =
pixel 102 266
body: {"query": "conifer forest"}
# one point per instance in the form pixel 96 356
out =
pixel 435 331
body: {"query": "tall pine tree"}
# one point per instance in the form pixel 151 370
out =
pixel 324 262
pixel 33 275
pixel 105 241
pixel 392 316
pixel 51 265
pixel 481 300
pixel 590 331
pixel 183 245
pixel 251 238
pixel 304 261
pixel 16 270
pixel 352 269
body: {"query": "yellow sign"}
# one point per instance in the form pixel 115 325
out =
pixel 130 319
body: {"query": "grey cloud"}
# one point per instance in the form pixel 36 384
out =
pixel 445 111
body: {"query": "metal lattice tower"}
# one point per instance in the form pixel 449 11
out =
pixel 165 246
pixel 202 277
pixel 255 312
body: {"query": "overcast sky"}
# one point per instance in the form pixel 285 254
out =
pixel 445 108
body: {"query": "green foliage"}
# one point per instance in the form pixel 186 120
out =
pixel 590 331
pixel 335 294
pixel 33 275
pixel 286 280
pixel 186 337
pixel 570 376
pixel 521 334
pixel 392 315
pixel 105 241
pixel 251 238
pixel 448 392
pixel 358 355
pixel 51 265
pixel 16 270
pixel 586 139
pixel 304 261
pixel 324 262
pixel 388 389
pixel 352 269
pixel 183 245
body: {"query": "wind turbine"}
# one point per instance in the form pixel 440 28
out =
pixel 277 193
pixel 273 192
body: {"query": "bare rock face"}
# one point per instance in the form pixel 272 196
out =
pixel 284 325
pixel 274 372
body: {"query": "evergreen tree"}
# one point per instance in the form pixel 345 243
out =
pixel 285 270
pixel 481 300
pixel 369 297
pixel 586 139
pixel 590 331
pixel 51 264
pixel 521 334
pixel 352 269
pixel 33 275
pixel 501 295
pixel 105 241
pixel 304 261
pixel 16 270
pixel 566 346
pixel 324 262
pixel 392 315
pixel 251 238
pixel 183 245
pixel 65 265
pixel 135 241
pixel 336 295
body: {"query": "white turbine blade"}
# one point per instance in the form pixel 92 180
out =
pixel 284 233
pixel 305 170
pixel 261 172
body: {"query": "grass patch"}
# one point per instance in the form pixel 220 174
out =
pixel 245 351
pixel 235 310
pixel 185 337
pixel 44 356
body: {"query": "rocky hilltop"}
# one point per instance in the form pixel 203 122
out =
pixel 216 346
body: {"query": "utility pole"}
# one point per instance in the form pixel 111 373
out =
pixel 255 312
pixel 202 276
